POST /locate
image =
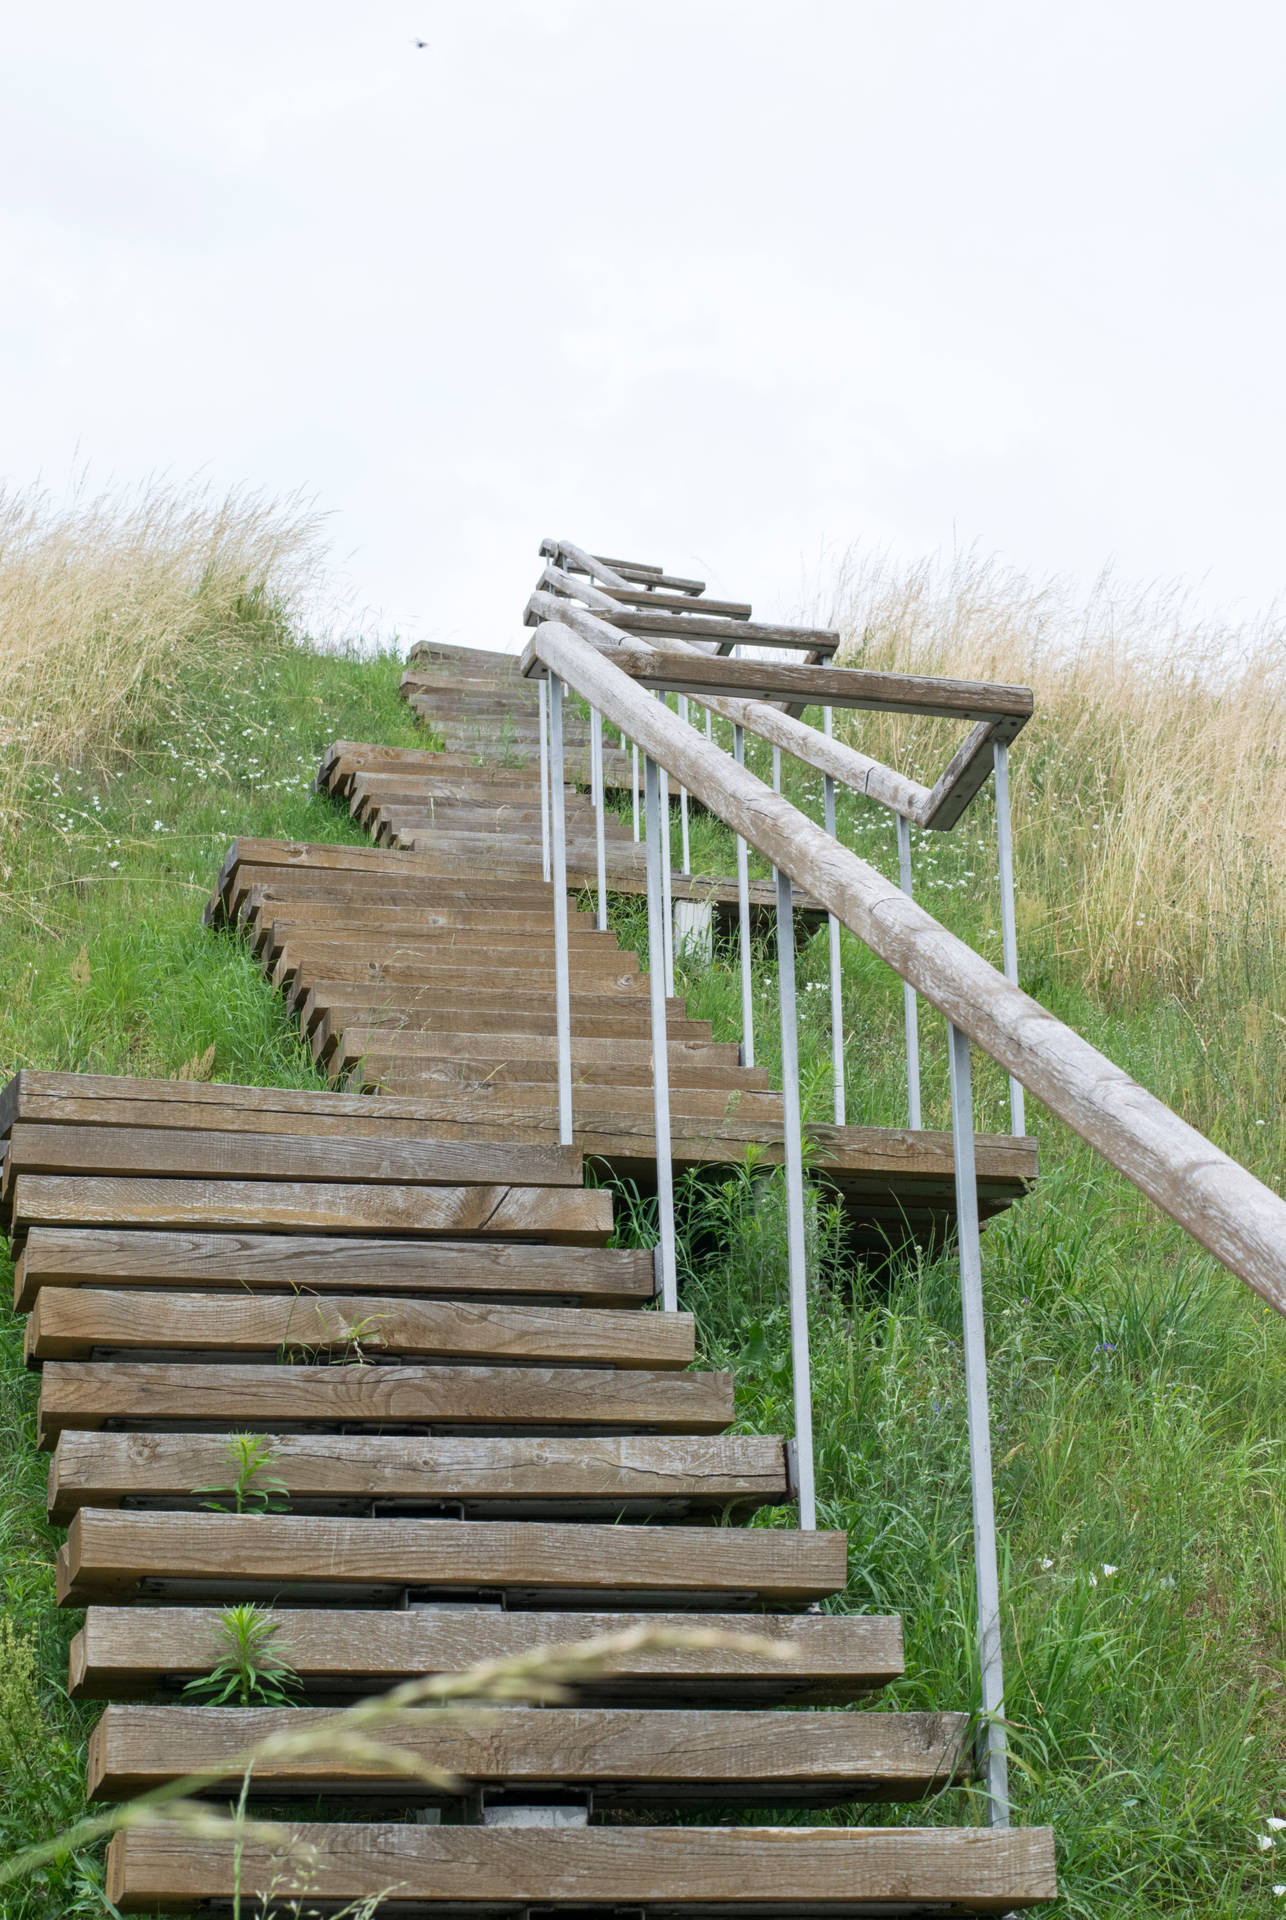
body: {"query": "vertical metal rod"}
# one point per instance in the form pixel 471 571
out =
pixel 667 941
pixel 636 791
pixel 542 701
pixel 838 1101
pixel 910 1009
pixel 709 724
pixel 994 1759
pixel 685 849
pixel 776 769
pixel 600 823
pixel 743 924
pixel 657 908
pixel 562 966
pixel 1008 919
pixel 793 1156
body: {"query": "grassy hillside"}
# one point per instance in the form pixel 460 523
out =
pixel 1138 1391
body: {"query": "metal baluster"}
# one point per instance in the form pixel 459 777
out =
pixel 839 1105
pixel 657 912
pixel 743 924
pixel 636 790
pixel 562 967
pixel 910 1009
pixel 667 941
pixel 542 702
pixel 793 1156
pixel 684 843
pixel 994 1759
pixel 709 724
pixel 1008 920
pixel 776 769
pixel 600 823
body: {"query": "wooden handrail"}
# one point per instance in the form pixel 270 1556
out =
pixel 1226 1209
pixel 938 807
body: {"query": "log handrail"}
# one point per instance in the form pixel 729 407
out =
pixel 1224 1207
pixel 937 808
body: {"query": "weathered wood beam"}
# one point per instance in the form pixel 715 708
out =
pixel 1224 1207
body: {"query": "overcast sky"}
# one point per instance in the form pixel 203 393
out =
pixel 718 283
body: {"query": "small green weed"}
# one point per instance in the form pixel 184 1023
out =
pixel 249 1673
pixel 252 1488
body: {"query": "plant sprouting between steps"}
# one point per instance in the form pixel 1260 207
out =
pixel 344 1344
pixel 252 1488
pixel 248 1672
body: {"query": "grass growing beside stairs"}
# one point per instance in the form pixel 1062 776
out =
pixel 1138 1392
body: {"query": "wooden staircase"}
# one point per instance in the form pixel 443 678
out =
pixel 478 1444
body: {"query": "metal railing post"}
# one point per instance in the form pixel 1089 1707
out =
pixel 838 1102
pixel 656 912
pixel 793 1156
pixel 600 824
pixel 910 1008
pixel 685 846
pixel 542 703
pixel 776 769
pixel 993 1757
pixel 743 924
pixel 562 963
pixel 636 790
pixel 667 940
pixel 1008 919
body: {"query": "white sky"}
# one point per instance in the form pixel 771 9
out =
pixel 722 284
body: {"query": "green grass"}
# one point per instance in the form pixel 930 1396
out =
pixel 1138 1391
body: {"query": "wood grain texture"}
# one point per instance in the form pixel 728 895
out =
pixel 107 1554
pixel 228 1154
pixel 329 1473
pixel 703 676
pixel 276 1263
pixel 673 1870
pixel 627 1755
pixel 215 1398
pixel 576 1216
pixel 68 1323
pixel 132 1651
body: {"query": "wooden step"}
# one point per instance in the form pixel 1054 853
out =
pixel 578 1216
pixel 641 1476
pixel 429 1057
pixel 426 1010
pixel 625 1756
pixel 68 1324
pixel 215 1153
pixel 669 1871
pixel 124 1651
pixel 110 1554
pixel 76 1393
pixel 311 1263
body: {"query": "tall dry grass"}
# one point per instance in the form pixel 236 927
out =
pixel 102 598
pixel 1150 787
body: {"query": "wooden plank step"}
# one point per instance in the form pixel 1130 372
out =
pixel 475 1058
pixel 602 1477
pixel 625 1756
pixel 38 1096
pixel 265 1398
pixel 124 1651
pixel 312 1263
pixel 462 1011
pixel 772 1872
pixel 109 1554
pixel 69 1323
pixel 312 996
pixel 222 1154
pixel 576 1216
